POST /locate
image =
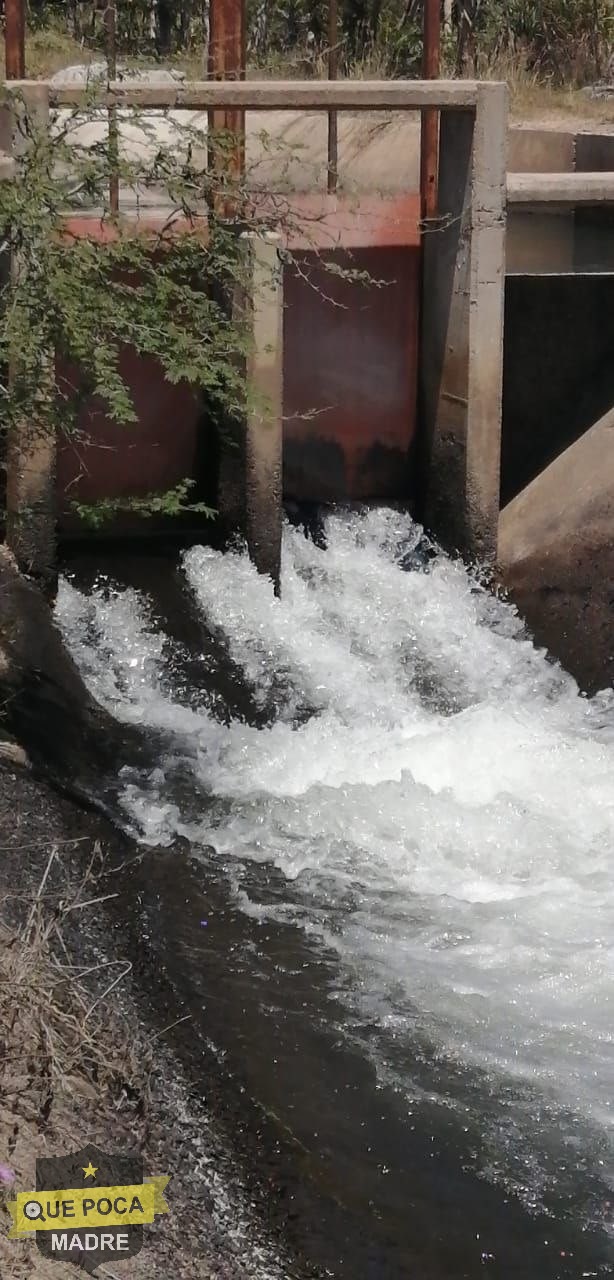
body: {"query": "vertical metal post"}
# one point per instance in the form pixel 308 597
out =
pixel 333 67
pixel 110 29
pixel 14 39
pixel 429 133
pixel 226 61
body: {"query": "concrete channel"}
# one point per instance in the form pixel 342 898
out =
pixel 473 349
pixel 473 382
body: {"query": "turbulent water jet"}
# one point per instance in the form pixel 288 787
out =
pixel 46 707
pixel 436 800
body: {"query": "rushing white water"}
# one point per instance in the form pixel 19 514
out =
pixel 437 795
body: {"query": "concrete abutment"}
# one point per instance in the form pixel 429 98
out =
pixel 347 404
pixel 462 328
pixel 250 474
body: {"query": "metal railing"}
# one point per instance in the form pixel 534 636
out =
pixel 274 95
pixel 327 96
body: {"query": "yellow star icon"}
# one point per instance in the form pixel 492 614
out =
pixel 89 1170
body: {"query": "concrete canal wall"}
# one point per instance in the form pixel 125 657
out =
pixel 556 552
pixel 556 528
pixel 398 384
pixel 351 407
pixel 558 373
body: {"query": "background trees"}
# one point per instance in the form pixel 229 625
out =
pixel 562 40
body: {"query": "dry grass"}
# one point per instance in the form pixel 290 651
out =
pixel 532 96
pixel 79 1062
pixel 53 1026
pixel 70 1068
pixel 50 49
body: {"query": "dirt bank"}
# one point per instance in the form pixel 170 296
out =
pixel 79 1066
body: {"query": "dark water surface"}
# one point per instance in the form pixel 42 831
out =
pixel 357 1178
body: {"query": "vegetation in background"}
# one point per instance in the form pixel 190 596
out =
pixel 564 41
pixel 167 294
pixel 72 304
pixel 164 293
pixel 560 41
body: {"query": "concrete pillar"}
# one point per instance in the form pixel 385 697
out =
pixel 31 443
pixel 250 488
pixel 462 328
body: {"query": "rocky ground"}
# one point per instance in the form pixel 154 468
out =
pixel 79 1066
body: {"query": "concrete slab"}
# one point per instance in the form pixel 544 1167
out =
pixel 556 556
pixel 535 150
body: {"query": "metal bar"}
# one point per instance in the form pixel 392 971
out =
pixel 429 133
pixel 333 67
pixel 280 95
pixel 560 188
pixel 14 39
pixel 110 29
pixel 226 61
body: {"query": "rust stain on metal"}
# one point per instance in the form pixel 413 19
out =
pixel 322 221
pixel 350 373
pixel 15 39
pixel 350 369
pixel 318 221
pixel 110 31
pixel 429 139
pixel 333 67
pixel 155 227
pixel 226 61
pixel 104 460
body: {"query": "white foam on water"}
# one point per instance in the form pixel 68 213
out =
pixel 443 816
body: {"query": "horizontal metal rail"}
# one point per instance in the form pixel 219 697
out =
pixel 560 188
pixel 274 95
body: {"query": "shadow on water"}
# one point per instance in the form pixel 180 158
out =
pixel 359 1183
